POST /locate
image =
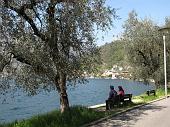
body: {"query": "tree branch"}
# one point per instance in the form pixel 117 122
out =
pixel 21 59
pixel 143 56
pixel 21 12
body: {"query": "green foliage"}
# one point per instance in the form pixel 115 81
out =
pixel 144 98
pixel 145 48
pixel 55 37
pixel 46 43
pixel 74 117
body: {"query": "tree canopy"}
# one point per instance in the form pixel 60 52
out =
pixel 145 48
pixel 45 43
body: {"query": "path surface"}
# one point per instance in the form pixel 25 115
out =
pixel 156 114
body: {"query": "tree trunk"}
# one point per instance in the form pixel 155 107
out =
pixel 64 103
pixel 157 84
pixel 61 88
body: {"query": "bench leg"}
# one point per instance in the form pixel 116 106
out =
pixel 130 99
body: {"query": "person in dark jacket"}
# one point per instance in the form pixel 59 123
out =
pixel 112 95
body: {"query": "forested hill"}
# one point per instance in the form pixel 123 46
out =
pixel 113 53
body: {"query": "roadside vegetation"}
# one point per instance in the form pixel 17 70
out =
pixel 144 98
pixel 79 115
pixel 75 117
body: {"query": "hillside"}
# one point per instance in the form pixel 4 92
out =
pixel 113 54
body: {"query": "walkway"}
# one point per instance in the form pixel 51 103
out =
pixel 156 114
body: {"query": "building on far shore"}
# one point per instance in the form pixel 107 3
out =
pixel 117 72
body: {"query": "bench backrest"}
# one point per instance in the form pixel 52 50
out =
pixel 151 92
pixel 128 96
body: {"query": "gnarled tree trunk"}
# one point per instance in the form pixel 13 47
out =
pixel 60 83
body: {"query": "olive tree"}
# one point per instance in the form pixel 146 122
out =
pixel 45 43
pixel 144 48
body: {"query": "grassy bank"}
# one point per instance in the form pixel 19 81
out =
pixel 75 117
pixel 144 98
pixel 79 115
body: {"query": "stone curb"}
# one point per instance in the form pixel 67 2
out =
pixel 118 113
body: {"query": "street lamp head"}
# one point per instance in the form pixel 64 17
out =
pixel 164 30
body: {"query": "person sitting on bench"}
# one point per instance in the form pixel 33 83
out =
pixel 121 93
pixel 112 95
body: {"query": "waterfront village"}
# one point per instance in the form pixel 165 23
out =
pixel 116 72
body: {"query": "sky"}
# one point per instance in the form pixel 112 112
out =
pixel 156 10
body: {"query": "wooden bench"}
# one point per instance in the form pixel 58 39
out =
pixel 127 98
pixel 149 92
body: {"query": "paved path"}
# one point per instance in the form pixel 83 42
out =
pixel 156 114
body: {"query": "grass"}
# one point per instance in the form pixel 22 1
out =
pixel 144 98
pixel 75 117
pixel 79 115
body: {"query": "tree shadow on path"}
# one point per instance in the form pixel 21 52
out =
pixel 122 120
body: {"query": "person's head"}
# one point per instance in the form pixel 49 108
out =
pixel 112 87
pixel 120 88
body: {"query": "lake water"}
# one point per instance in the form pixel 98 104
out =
pixel 92 93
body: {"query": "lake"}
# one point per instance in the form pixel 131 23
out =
pixel 92 93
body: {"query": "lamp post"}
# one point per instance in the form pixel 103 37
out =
pixel 165 31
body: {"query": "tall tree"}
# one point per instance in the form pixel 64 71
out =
pixel 145 48
pixel 50 40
